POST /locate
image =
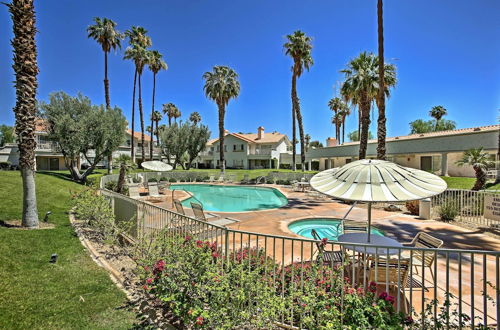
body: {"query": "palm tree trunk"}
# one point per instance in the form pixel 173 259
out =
pixel 106 81
pixel 301 133
pixel 121 178
pixel 132 144
pixel 157 135
pixel 365 126
pixel 26 69
pixel 152 121
pixel 381 131
pixel 343 129
pixel 222 112
pixel 294 132
pixel 169 120
pixel 480 178
pixel 497 160
pixel 141 115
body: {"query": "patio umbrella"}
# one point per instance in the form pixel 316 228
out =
pixel 156 165
pixel 371 181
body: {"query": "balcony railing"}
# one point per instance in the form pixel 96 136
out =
pixel 48 146
pixel 261 152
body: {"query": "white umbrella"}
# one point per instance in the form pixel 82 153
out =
pixel 156 165
pixel 370 181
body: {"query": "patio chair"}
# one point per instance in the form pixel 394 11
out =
pixel 210 179
pixel 295 186
pixel 230 178
pixel 391 272
pixel 153 190
pixel 335 257
pixel 424 259
pixel 199 214
pixel 353 226
pixel 178 207
pixel 133 191
pixel 220 179
pixel 246 179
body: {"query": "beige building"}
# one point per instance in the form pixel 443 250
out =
pixel 247 151
pixel 436 152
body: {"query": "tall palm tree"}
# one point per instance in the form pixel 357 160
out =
pixel 361 88
pixel 381 122
pixel 480 161
pixel 221 85
pixel 176 113
pixel 298 47
pixel 137 35
pixel 140 56
pixel 345 111
pixel 105 33
pixel 170 110
pixel 195 117
pixel 335 104
pixel 337 121
pixel 155 64
pixel 438 112
pixel 26 70
pixel 308 141
pixel 156 117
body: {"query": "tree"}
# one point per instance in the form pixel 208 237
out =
pixel 195 117
pixel 420 126
pixel 360 87
pixel 354 136
pixel 345 112
pixel 80 128
pixel 335 104
pixel 140 56
pixel 156 117
pixel 105 33
pixel 170 110
pixel 25 67
pixel 125 163
pixel 221 85
pixel 174 141
pixel 307 140
pixel 137 36
pixel 197 142
pixel 437 112
pixel 337 121
pixel 480 161
pixel 316 144
pixel 381 122
pixel 6 135
pixel 155 64
pixel 298 47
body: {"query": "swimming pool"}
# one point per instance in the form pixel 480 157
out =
pixel 221 198
pixel 325 227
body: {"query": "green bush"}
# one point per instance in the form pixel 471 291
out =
pixel 172 180
pixel 152 180
pixel 448 211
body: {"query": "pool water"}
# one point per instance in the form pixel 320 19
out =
pixel 325 227
pixel 221 198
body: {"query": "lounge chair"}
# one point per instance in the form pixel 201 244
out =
pixel 230 178
pixel 220 179
pixel 153 190
pixel 353 226
pixel 178 207
pixel 335 257
pixel 133 191
pixel 423 259
pixel 210 179
pixel 199 214
pixel 246 179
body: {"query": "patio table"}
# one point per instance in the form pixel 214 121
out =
pixel 362 238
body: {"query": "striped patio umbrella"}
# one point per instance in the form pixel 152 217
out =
pixel 371 181
pixel 156 165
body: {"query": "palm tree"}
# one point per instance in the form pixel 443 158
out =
pixel 221 85
pixel 480 161
pixel 140 56
pixel 298 47
pixel 26 70
pixel 335 104
pixel 170 110
pixel 308 141
pixel 155 64
pixel 361 88
pixel 345 111
pixel 381 122
pixel 156 117
pixel 195 117
pixel 125 163
pixel 176 113
pixel 137 36
pixel 104 32
pixel 337 121
pixel 438 112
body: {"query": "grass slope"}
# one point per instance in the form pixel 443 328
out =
pixel 34 294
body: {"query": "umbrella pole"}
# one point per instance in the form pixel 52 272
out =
pixel 369 220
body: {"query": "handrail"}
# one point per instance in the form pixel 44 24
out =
pixel 186 191
pixel 345 216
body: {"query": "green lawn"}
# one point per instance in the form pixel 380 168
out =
pixel 466 183
pixel 34 294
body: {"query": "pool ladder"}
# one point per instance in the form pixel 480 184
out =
pixel 345 216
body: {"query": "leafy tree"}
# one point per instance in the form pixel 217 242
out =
pixel 195 117
pixel 25 67
pixel 6 134
pixel 221 85
pixel 140 56
pixel 298 47
pixel 105 33
pixel 354 136
pixel 80 128
pixel 137 36
pixel 420 126
pixel 174 142
pixel 316 144
pixel 125 163
pixel 197 142
pixel 360 87
pixel 155 64
pixel 480 161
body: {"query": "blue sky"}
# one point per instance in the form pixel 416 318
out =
pixel 446 53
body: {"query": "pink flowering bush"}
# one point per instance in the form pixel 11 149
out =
pixel 247 289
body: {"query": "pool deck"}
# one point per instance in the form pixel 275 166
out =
pixel 397 225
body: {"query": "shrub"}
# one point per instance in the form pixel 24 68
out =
pixel 152 180
pixel 413 207
pixel 172 180
pixel 4 165
pixel 448 211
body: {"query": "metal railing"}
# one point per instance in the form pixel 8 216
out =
pixel 459 284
